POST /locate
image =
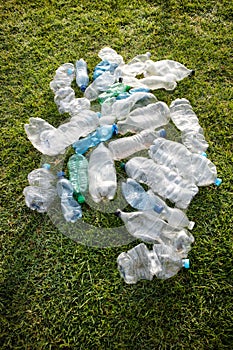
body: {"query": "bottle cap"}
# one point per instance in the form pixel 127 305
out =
pixel 81 198
pixel 122 165
pixel 70 71
pixel 83 88
pixel 60 174
pixel 46 166
pixel 115 129
pixel 218 182
pixel 158 209
pixel 204 154
pixel 185 263
pixel 98 114
pixel 163 133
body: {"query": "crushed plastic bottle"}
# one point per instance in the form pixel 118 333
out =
pixel 141 263
pixel 126 146
pixel 195 167
pixel 151 116
pixel 149 227
pixel 82 79
pixel 102 174
pixel 52 141
pixel 165 67
pixel 63 78
pixel 102 133
pixel 42 191
pixel 63 98
pixel 78 175
pixel 162 180
pixel 187 122
pixel 71 209
pixel 137 264
pixel 139 199
pixel 110 55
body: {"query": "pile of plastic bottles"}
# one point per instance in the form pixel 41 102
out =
pixel 170 170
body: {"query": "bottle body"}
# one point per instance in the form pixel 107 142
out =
pixel 82 78
pixel 78 175
pixel 102 174
pixel 162 180
pixel 151 116
pixel 126 146
pixel 165 67
pixel 70 207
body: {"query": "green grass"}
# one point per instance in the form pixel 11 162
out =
pixel 57 294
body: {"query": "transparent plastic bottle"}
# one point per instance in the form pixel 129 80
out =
pixel 170 261
pixel 42 191
pixel 126 146
pixel 162 180
pixel 100 84
pixel 151 116
pixel 139 199
pixel 164 67
pixel 64 76
pixel 166 82
pixel 110 55
pixel 195 167
pixel 102 133
pixel 82 79
pixel 149 227
pixel 71 209
pixel 187 122
pixel 52 141
pixel 138 264
pixel 102 174
pixel 78 175
pixel 63 97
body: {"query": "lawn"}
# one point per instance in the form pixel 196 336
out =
pixel 60 294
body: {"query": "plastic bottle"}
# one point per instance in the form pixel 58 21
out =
pixel 71 209
pixel 82 78
pixel 64 76
pixel 166 82
pixel 100 84
pixel 78 175
pixel 187 121
pixel 102 174
pixel 63 97
pixel 51 141
pixel 104 66
pixel 113 91
pixel 195 167
pixel 141 263
pixel 162 180
pixel 151 116
pixel 126 146
pixel 138 264
pixel 139 199
pixel 147 226
pixel 77 105
pixel 41 192
pixel 164 67
pixel 102 133
pixel 110 55
pixel 170 261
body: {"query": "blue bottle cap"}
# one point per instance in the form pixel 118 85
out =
pixel 115 129
pixel 158 209
pixel 163 133
pixel 186 263
pixel 70 71
pixel 60 174
pixel 98 114
pixel 204 154
pixel 46 166
pixel 83 88
pixel 218 182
